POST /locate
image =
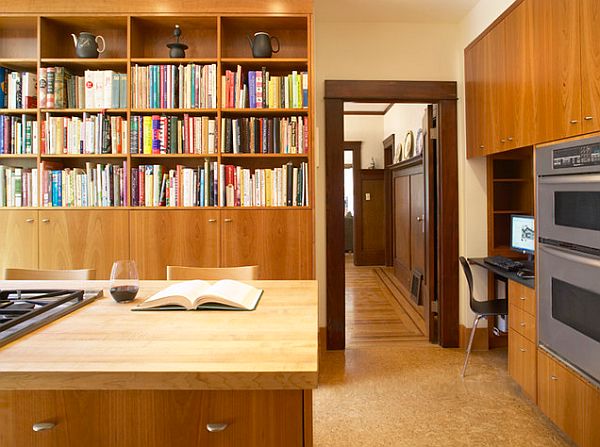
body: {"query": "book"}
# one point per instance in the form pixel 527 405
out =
pixel 199 295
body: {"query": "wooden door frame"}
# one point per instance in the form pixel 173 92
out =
pixel 355 147
pixel 388 155
pixel 442 93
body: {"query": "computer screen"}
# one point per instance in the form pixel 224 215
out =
pixel 522 236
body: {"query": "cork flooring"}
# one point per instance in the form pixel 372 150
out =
pixel 388 391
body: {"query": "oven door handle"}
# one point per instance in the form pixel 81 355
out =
pixel 569 179
pixel 580 258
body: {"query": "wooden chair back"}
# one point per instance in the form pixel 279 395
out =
pixel 246 272
pixel 33 274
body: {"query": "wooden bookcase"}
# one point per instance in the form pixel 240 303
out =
pixel 34 40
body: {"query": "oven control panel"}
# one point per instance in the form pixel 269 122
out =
pixel 578 156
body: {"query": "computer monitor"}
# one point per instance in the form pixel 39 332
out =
pixel 522 234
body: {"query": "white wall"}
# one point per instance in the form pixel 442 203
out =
pixel 367 129
pixel 401 118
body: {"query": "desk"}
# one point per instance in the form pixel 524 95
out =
pixel 252 371
pixel 504 273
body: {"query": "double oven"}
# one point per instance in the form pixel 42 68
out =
pixel 568 255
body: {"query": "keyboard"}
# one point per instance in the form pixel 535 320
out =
pixel 504 263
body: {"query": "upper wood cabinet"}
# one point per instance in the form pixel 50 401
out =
pixel 590 65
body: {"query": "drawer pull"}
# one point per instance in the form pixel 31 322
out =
pixel 45 220
pixel 213 428
pixel 212 220
pixel 481 147
pixel 30 220
pixel 43 426
pixel 588 118
pixel 227 220
pixel 502 141
pixel 574 121
pixel 522 324
pixel 523 298
pixel 554 377
pixel 522 349
pixel 510 138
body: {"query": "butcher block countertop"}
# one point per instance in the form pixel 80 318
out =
pixel 105 345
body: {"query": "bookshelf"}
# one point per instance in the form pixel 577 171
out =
pixel 31 42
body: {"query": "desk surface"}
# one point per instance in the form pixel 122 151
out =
pixel 105 345
pixel 504 273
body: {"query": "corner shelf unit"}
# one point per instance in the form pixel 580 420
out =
pixel 29 42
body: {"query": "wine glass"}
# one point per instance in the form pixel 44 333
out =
pixel 124 281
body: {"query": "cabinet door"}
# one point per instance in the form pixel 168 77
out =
pixel 590 65
pixel 280 242
pixel 557 68
pixel 173 237
pixel 522 363
pixel 474 93
pixel 401 228
pixel 77 239
pixel 152 418
pixel 561 396
pixel 417 222
pixel 18 239
pixel 519 115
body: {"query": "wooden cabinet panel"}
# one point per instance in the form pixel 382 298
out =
pixel 523 323
pixel 77 239
pixel 561 396
pixel 152 418
pixel 591 428
pixel 402 228
pixel 522 362
pixel 417 222
pixel 519 114
pixel 18 239
pixel 369 224
pixel 494 103
pixel 522 297
pixel 280 242
pixel 474 97
pixel 590 65
pixel 557 68
pixel 173 237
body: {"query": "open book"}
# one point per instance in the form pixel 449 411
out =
pixel 197 295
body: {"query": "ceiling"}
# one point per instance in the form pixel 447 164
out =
pixel 415 11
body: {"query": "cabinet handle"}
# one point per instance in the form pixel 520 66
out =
pixel 227 220
pixel 30 220
pixel 419 218
pixel 522 349
pixel 510 138
pixel 502 141
pixel 42 426
pixel 212 220
pixel 482 147
pixel 216 427
pixel 574 121
pixel 522 324
pixel 554 377
pixel 45 220
pixel 588 118
pixel 523 298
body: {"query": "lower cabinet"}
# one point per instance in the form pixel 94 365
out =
pixel 522 362
pixel 152 418
pixel 18 239
pixel 569 401
pixel 76 239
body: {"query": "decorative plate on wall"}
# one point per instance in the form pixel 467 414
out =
pixel 408 145
pixel 420 143
pixel 398 154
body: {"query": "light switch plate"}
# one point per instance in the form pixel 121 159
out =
pixel 368 196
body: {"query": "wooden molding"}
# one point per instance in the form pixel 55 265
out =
pixel 363 112
pixel 396 91
pixel 480 342
pixel 388 108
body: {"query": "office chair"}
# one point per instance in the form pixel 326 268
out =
pixel 246 272
pixel 481 309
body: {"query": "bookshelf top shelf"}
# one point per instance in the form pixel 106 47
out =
pixel 173 60
pixel 18 111
pixel 27 64
pixel 80 64
pixel 265 111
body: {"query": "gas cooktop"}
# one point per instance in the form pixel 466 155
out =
pixel 23 311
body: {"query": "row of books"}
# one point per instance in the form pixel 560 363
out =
pixel 261 90
pixel 18 90
pixel 18 134
pixel 18 187
pixel 89 134
pixel 174 87
pixel 265 135
pixel 285 186
pixel 158 134
pixel 98 185
pixel 96 89
pixel 154 185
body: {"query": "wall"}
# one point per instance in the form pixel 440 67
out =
pixel 369 130
pixel 401 118
pixel 390 51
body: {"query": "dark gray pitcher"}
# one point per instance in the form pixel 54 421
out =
pixel 86 45
pixel 261 45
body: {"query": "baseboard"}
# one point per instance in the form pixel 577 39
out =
pixel 480 342
pixel 322 339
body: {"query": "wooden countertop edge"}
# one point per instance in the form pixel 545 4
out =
pixel 158 381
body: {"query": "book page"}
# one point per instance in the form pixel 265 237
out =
pixel 235 292
pixel 189 290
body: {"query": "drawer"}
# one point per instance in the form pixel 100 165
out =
pixel 152 418
pixel 522 363
pixel 522 322
pixel 522 297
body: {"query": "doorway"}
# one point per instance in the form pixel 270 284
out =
pixel 443 252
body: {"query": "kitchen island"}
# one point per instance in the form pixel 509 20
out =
pixel 106 376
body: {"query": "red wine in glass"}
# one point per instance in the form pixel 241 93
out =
pixel 122 294
pixel 124 282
